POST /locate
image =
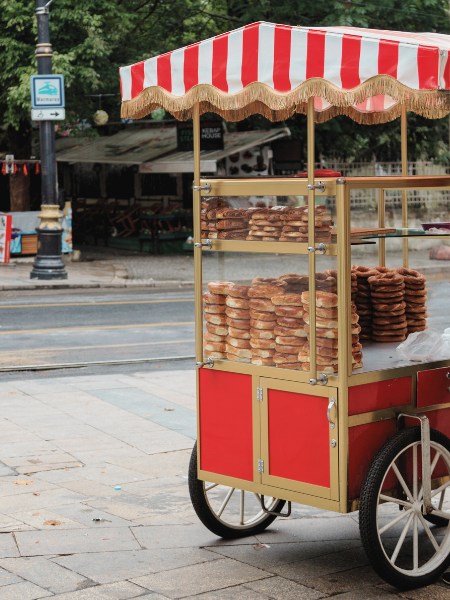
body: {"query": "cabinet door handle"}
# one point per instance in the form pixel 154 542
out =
pixel 331 404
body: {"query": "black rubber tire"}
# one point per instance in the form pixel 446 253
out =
pixel 368 512
pixel 437 521
pixel 209 518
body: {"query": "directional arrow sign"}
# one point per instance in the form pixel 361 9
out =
pixel 48 114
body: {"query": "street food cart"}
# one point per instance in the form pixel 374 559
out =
pixel 301 397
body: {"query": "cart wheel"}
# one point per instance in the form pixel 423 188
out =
pixel 229 512
pixel 402 547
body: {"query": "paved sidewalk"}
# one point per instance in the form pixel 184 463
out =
pixel 94 505
pixel 106 267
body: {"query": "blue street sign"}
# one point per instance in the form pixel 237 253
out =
pixel 47 91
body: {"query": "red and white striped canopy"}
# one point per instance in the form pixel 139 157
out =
pixel 273 70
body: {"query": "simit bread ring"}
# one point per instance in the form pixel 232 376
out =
pixel 266 290
pixel 238 291
pixel 237 313
pixel 262 316
pixel 214 309
pixel 255 324
pixel 238 342
pixel 238 323
pixel 242 334
pixel 240 352
pixel 290 322
pixel 323 299
pixel 234 302
pixel 214 347
pixel 262 305
pixel 262 362
pixel 289 311
pixel 209 298
pixel 218 330
pixel 219 287
pixel 287 300
pixel 215 319
pixel 262 334
pixel 212 337
pixel 262 344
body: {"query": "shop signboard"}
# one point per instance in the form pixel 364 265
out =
pixel 211 136
pixel 5 237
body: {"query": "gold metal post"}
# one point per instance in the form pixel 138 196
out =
pixel 197 239
pixel 311 241
pixel 381 223
pixel 404 146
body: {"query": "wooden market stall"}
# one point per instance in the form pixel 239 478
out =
pixel 300 395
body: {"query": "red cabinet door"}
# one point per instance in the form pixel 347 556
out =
pixel 300 438
pixel 226 423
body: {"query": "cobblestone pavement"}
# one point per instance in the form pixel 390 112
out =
pixel 94 505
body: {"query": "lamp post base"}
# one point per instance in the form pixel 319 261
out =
pixel 48 263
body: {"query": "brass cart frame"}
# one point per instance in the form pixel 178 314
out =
pixel 371 454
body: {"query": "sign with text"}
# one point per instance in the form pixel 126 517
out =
pixel 211 137
pixel 48 114
pixel 47 91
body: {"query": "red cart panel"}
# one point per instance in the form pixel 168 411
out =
pixel 226 438
pixel 379 395
pixel 433 387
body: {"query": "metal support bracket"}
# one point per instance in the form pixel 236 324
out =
pixel 209 362
pixel 320 248
pixel 318 187
pixel 206 187
pixel 427 507
pixel 275 513
pixel 205 244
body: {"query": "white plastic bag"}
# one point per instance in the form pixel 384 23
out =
pixel 423 346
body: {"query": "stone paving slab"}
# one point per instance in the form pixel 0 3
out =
pixel 117 523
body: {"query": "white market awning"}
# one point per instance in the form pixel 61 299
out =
pixel 131 146
pixel 183 162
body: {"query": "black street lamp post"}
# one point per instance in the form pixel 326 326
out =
pixel 48 263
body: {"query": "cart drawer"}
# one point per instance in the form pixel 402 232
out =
pixel 433 387
pixel 379 395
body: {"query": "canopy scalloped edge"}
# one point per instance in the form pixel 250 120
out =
pixel 258 98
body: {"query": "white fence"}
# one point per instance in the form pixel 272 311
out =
pixel 434 203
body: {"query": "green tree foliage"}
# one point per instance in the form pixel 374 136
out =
pixel 341 138
pixel 92 38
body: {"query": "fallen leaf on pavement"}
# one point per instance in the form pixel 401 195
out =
pixel 23 482
pixel 53 522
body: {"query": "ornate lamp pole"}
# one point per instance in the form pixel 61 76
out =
pixel 48 263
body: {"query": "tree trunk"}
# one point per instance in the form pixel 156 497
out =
pixel 19 192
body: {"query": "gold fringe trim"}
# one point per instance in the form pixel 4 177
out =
pixel 258 98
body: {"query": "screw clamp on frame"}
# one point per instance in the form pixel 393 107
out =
pixel 206 187
pixel 206 243
pixel 209 362
pixel 320 248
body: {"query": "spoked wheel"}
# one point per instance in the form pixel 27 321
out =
pixel 404 549
pixel 229 512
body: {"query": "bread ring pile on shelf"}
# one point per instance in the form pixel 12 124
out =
pixel 295 227
pixel 327 334
pixel 208 219
pixel 389 319
pixel 391 303
pixel 238 320
pixel 266 323
pixel 263 319
pixel 415 299
pixel 214 306
pixel 265 224
pixel 279 223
